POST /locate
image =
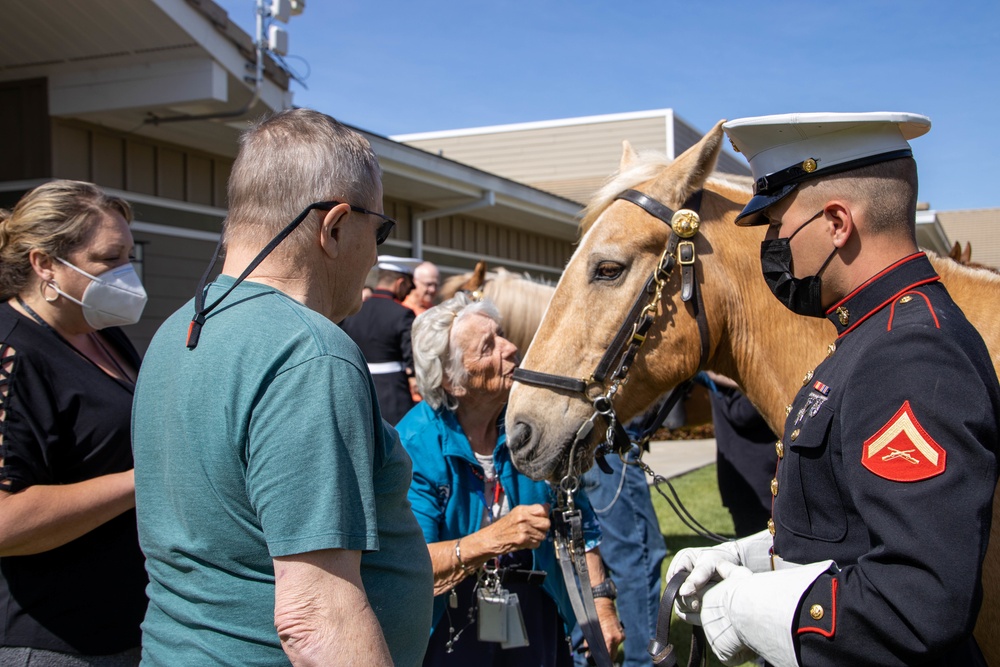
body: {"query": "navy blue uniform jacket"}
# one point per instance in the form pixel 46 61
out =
pixel 889 466
pixel 382 330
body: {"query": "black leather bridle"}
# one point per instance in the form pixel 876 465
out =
pixel 612 370
pixel 602 385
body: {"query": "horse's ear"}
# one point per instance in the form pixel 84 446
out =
pixel 967 253
pixel 478 275
pixel 629 156
pixel 476 278
pixel 689 172
pixel 956 252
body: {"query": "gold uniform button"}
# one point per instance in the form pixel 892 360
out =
pixel 831 349
pixel 774 486
pixel 906 299
pixel 795 435
pixel 788 409
pixel 770 526
pixel 816 611
pixel 779 447
pixel 805 380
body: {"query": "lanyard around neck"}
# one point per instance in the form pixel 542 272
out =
pixel 492 511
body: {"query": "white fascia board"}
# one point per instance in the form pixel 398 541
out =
pixel 537 125
pixel 193 80
pixel 221 49
pixel 540 206
pixel 931 233
pixel 174 232
pixel 669 120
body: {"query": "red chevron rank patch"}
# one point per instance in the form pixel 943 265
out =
pixel 903 451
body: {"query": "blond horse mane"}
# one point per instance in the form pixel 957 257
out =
pixel 646 166
pixel 520 299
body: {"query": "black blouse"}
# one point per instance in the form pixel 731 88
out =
pixel 64 421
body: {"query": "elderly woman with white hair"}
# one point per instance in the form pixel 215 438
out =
pixel 476 511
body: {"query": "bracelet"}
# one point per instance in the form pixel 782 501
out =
pixel 458 557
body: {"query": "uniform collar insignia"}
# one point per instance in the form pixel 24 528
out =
pixel 879 291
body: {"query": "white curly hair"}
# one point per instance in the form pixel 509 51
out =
pixel 434 355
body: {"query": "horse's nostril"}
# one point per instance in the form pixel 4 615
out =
pixel 519 436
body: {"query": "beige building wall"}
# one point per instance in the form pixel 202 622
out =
pixel 86 152
pixel 572 157
pixel 978 227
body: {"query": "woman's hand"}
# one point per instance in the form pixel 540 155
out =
pixel 524 527
pixel 611 626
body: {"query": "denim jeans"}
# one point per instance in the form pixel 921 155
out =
pixel 633 550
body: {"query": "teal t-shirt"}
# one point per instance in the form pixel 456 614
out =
pixel 265 440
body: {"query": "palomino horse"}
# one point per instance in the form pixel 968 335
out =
pixel 520 299
pixel 745 333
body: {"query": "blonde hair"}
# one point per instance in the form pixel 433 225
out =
pixel 55 218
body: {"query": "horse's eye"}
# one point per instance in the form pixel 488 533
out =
pixel 608 271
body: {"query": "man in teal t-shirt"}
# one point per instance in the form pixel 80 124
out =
pixel 271 496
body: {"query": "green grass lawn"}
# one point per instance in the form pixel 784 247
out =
pixel 699 491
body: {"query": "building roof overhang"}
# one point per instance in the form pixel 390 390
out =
pixel 122 64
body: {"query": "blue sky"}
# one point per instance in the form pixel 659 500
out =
pixel 395 67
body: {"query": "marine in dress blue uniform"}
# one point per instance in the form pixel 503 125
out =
pixel 888 459
pixel 382 330
pixel 888 468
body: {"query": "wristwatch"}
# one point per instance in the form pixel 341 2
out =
pixel 605 589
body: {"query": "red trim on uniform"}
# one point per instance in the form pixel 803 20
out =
pixel 873 279
pixel 833 615
pixel 892 311
pixel 890 300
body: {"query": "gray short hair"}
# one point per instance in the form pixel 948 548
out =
pixel 288 161
pixel 434 357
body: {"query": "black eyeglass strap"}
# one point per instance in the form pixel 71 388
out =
pixel 201 311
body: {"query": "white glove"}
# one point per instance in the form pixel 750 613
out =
pixel 749 614
pixel 719 631
pixel 752 552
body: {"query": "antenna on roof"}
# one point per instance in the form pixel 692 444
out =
pixel 276 43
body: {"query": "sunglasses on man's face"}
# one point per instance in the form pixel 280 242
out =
pixel 384 229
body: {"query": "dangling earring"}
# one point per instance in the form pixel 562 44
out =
pixel 55 287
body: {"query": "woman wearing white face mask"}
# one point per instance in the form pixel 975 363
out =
pixel 72 582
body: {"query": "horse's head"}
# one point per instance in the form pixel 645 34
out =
pixel 621 247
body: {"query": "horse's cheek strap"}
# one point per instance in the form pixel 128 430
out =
pixel 686 252
pixel 549 380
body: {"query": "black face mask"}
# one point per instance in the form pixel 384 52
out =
pixel 802 296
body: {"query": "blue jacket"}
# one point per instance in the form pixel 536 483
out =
pixel 445 494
